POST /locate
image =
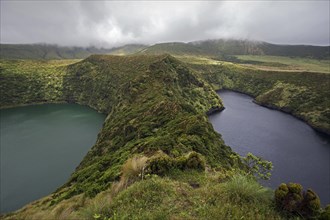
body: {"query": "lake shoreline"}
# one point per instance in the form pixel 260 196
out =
pixel 273 107
pixel 278 137
pixel 211 111
pixel 46 103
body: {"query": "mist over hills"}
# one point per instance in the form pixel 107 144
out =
pixel 214 48
pixel 48 52
pixel 223 47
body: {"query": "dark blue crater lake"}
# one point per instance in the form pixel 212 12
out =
pixel 41 146
pixel 298 153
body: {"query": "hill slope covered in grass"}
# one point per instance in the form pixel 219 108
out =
pixel 48 52
pixel 222 48
pixel 156 144
pixel 305 95
pixel 153 103
pixel 296 64
pixel 245 47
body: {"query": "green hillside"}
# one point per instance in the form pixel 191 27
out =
pixel 48 52
pixel 222 48
pixel 157 155
pixel 245 47
pixel 266 62
pixel 229 47
pixel 127 49
pixel 176 48
pixel 300 93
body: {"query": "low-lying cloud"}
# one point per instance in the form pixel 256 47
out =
pixel 108 23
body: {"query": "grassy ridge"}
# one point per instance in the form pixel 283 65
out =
pixel 153 103
pixel 246 47
pixel 213 48
pixel 156 109
pixel 48 52
pixel 156 105
pixel 220 48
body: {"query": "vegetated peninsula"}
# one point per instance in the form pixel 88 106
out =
pixel 157 155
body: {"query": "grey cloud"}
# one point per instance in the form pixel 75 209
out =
pixel 112 23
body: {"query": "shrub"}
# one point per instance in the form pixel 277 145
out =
pixel 291 199
pixel 311 204
pixel 162 164
pixel 325 215
pixel 257 166
pixel 195 161
pixel 280 193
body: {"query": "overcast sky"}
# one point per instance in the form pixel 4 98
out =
pixel 114 23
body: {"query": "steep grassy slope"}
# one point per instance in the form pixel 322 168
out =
pixel 31 81
pixel 153 103
pixel 157 156
pixel 47 52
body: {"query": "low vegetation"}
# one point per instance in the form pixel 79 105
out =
pixel 32 82
pixel 222 48
pixel 285 63
pixel 302 94
pixel 157 156
pixel 192 193
pixel 293 201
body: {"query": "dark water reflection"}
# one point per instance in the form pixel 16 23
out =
pixel 299 154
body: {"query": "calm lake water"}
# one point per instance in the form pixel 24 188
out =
pixel 40 147
pixel 299 154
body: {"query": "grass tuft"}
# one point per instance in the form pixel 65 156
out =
pixel 241 189
pixel 132 171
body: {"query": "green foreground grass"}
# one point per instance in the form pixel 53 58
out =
pixel 180 195
pixel 190 196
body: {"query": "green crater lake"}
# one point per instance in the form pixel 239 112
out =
pixel 41 146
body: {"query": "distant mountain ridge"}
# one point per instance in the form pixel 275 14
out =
pixel 46 51
pixel 223 47
pixel 214 48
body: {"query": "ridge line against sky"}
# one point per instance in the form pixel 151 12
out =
pixel 115 23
